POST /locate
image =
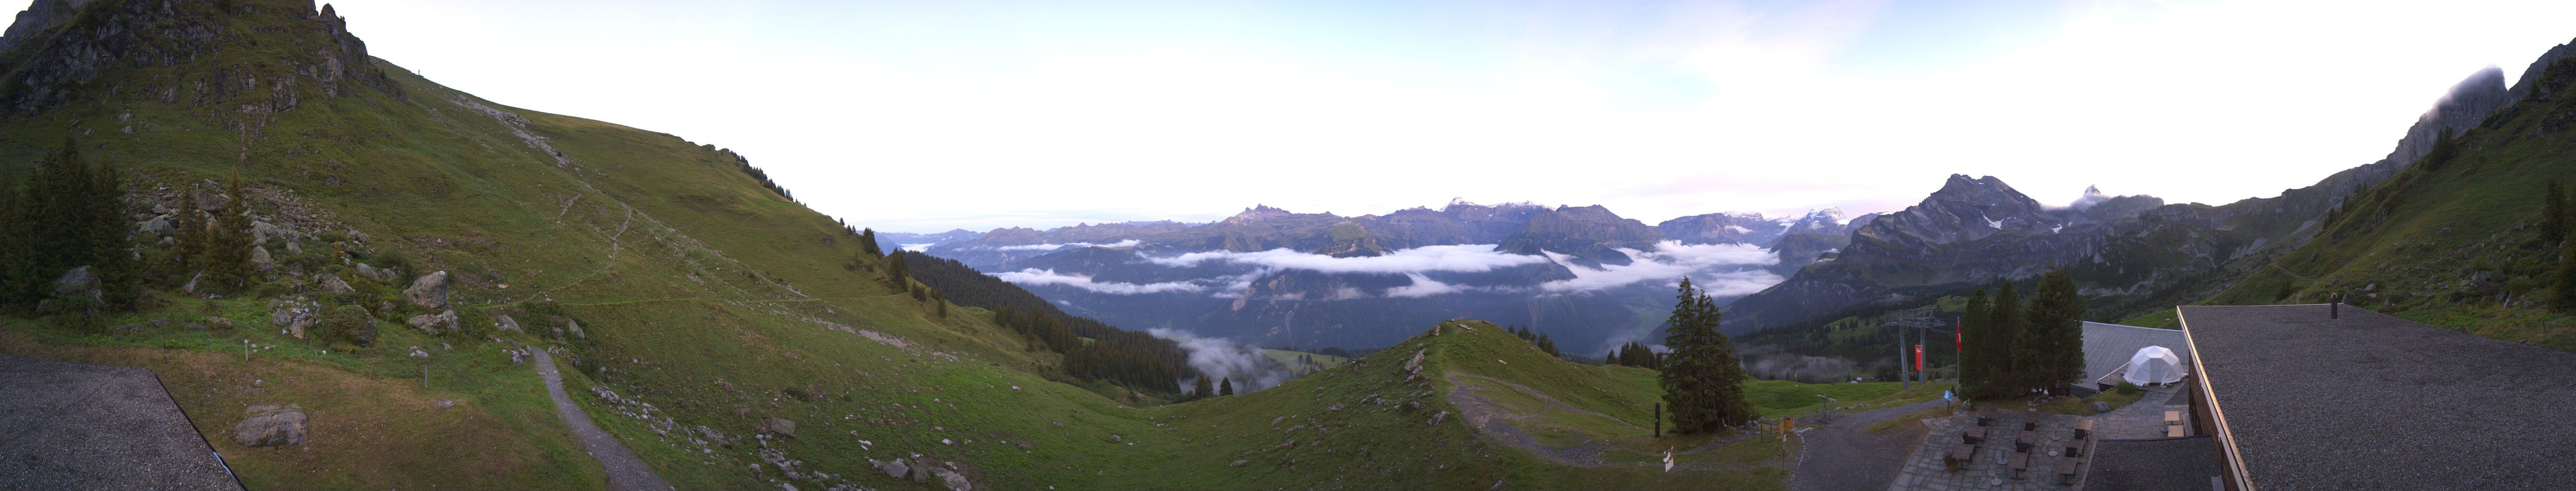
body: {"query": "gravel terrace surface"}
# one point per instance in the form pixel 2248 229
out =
pixel 78 426
pixel 1839 456
pixel 2371 401
pixel 625 472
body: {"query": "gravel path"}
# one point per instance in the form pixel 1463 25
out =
pixel 1839 456
pixel 625 472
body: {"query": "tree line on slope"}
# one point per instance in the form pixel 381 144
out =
pixel 1132 359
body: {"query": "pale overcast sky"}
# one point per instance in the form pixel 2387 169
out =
pixel 925 116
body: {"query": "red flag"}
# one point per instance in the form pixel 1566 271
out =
pixel 1958 340
pixel 1918 357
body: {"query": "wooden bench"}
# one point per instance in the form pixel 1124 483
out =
pixel 1974 435
pixel 2027 440
pixel 2066 471
pixel 2020 465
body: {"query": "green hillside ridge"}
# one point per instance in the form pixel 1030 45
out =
pixel 2454 240
pixel 690 299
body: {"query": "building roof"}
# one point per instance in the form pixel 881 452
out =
pixel 2371 401
pixel 2108 346
pixel 2153 465
pixel 76 426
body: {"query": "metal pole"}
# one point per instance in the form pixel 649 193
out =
pixel 1903 380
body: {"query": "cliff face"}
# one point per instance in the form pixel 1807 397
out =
pixel 37 17
pixel 218 41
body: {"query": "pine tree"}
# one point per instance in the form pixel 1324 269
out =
pixel 868 242
pixel 2005 323
pixel 1202 389
pixel 1702 380
pixel 1225 387
pixel 1975 361
pixel 2053 342
pixel 1548 345
pixel 2564 296
pixel 17 249
pixel 2553 213
pixel 895 273
pixel 227 256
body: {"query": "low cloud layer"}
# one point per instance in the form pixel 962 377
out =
pixel 1469 258
pixel 1050 247
pixel 1247 366
pixel 1723 270
pixel 1039 277
pixel 1712 267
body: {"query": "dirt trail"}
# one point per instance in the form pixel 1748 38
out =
pixel 625 472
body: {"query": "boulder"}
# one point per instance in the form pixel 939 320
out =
pixel 893 468
pixel 76 291
pixel 778 426
pixel 369 271
pixel 510 325
pixel 333 284
pixel 443 322
pixel 2101 407
pixel 294 249
pixel 191 287
pixel 429 291
pixel 259 258
pixel 575 328
pixel 954 480
pixel 261 231
pixel 268 426
pixel 211 201
pixel 157 226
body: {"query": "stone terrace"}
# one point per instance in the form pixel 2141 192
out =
pixel 1987 470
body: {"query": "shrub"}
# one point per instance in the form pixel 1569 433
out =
pixel 348 324
pixel 2126 388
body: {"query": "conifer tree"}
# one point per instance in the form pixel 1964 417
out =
pixel 227 256
pixel 868 242
pixel 1976 362
pixel 1547 345
pixel 2553 213
pixel 2005 321
pixel 1225 387
pixel 17 249
pixel 1702 380
pixel 1202 389
pixel 895 274
pixel 2564 296
pixel 2052 344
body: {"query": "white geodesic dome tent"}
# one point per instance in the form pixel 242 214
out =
pixel 2153 365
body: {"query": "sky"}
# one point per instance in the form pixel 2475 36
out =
pixel 926 116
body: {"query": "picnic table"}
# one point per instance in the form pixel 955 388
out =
pixel 2027 440
pixel 1963 452
pixel 2173 417
pixel 1974 435
pixel 2083 428
pixel 2020 465
pixel 2174 431
pixel 2066 471
pixel 1985 416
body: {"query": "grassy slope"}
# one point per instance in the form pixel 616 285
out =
pixel 2456 246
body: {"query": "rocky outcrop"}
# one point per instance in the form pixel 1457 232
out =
pixel 259 258
pixel 83 43
pixel 38 16
pixel 778 427
pixel 76 291
pixel 509 325
pixel 333 284
pixel 440 323
pixel 270 426
pixel 430 291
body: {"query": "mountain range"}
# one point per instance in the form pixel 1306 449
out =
pixel 1266 275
